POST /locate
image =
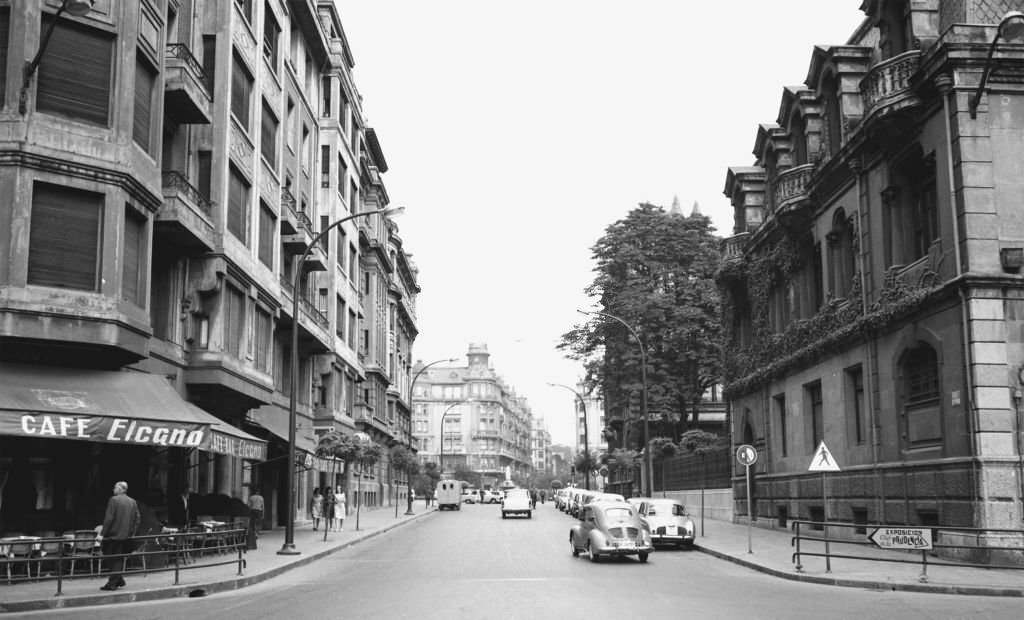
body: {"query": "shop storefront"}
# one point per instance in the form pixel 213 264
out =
pixel 66 435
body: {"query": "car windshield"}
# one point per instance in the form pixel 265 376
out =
pixel 618 513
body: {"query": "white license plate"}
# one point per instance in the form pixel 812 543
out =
pixel 672 529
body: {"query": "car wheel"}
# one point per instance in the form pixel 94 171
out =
pixel 572 546
pixel 643 557
pixel 503 515
pixel 529 515
pixel 688 545
pixel 590 553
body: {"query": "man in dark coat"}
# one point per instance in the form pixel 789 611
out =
pixel 119 525
pixel 179 510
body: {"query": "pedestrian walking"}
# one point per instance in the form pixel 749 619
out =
pixel 316 508
pixel 330 509
pixel 341 508
pixel 119 525
pixel 255 518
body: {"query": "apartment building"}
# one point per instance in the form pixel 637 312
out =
pixel 165 168
pixel 468 417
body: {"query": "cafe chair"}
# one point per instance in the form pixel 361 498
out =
pixel 83 547
pixel 49 549
pixel 20 552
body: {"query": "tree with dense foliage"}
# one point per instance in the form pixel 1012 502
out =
pixel 404 460
pixel 654 270
pixel 426 481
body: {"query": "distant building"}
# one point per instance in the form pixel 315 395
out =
pixel 540 445
pixel 471 418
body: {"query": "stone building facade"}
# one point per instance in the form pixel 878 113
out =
pixel 171 161
pixel 873 291
pixel 483 424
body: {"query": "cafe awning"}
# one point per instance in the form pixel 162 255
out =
pixel 50 402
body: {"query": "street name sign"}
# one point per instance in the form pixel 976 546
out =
pixel 902 537
pixel 823 460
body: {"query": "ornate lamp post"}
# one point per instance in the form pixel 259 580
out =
pixel 586 441
pixel 648 467
pixel 288 548
pixel 1010 27
pixel 412 398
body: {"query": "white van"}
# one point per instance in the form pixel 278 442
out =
pixel 448 494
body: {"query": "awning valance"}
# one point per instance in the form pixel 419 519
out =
pixel 275 419
pixel 51 402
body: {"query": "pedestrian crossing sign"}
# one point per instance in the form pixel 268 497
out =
pixel 823 460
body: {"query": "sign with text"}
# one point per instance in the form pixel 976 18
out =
pixel 902 537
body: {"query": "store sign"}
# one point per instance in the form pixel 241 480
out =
pixel 236 446
pixel 105 429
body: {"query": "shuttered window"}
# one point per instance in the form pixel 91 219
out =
pixel 238 205
pixel 64 240
pixel 325 165
pixel 268 136
pixel 133 280
pixel 209 60
pixel 264 340
pixel 241 91
pixel 142 121
pixel 5 28
pixel 204 160
pixel 234 321
pixel 268 228
pixel 339 318
pixel 74 75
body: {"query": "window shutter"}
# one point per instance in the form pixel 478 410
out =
pixel 268 136
pixel 238 198
pixel 267 229
pixel 64 240
pixel 5 30
pixel 241 85
pixel 205 164
pixel 145 81
pixel 132 281
pixel 209 60
pixel 74 74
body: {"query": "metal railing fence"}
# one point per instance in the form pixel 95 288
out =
pixel 155 553
pixel 947 544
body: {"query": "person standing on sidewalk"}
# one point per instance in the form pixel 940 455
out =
pixel 341 509
pixel 316 508
pixel 119 524
pixel 255 518
pixel 330 509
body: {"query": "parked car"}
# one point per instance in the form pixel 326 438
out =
pixel 667 521
pixel 516 501
pixel 610 529
pixel 493 497
pixel 609 497
pixel 470 496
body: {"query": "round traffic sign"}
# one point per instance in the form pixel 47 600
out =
pixel 746 455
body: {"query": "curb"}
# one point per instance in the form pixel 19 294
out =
pixel 865 583
pixel 185 591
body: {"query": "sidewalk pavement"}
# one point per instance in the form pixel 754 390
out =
pixel 261 564
pixel 773 554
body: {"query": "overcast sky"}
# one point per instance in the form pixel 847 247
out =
pixel 516 132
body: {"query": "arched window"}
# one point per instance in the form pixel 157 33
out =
pixel 798 134
pixel 833 122
pixel 919 378
pixel 841 254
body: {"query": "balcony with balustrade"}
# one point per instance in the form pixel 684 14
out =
pixel 185 216
pixel 732 247
pixel 886 88
pixel 792 194
pixel 187 95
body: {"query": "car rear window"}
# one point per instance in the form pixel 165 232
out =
pixel 618 513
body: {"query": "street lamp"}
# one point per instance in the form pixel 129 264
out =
pixel 1010 27
pixel 78 8
pixel 412 398
pixel 288 548
pixel 586 441
pixel 648 487
pixel 448 409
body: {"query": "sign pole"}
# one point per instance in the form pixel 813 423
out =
pixel 750 514
pixel 824 528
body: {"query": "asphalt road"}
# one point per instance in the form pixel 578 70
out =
pixel 473 564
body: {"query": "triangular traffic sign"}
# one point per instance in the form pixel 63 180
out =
pixel 823 460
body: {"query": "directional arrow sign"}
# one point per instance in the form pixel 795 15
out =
pixel 823 460
pixel 902 537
